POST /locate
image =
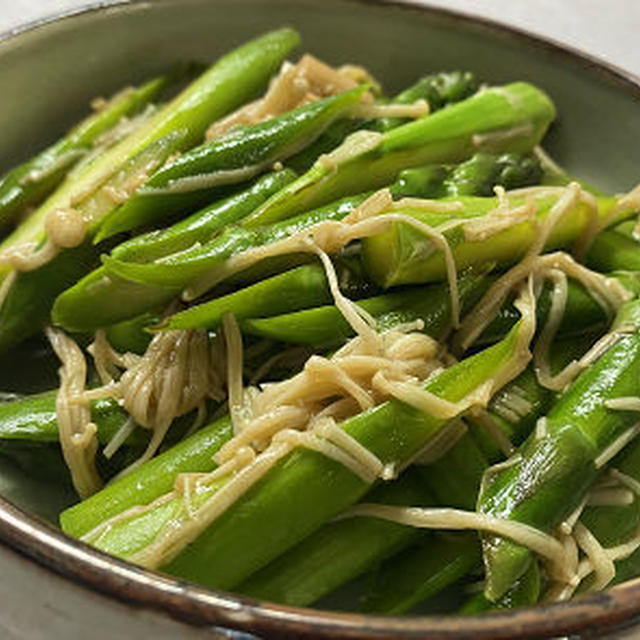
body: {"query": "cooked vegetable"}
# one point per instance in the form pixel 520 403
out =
pixel 327 321
pixel 26 185
pixel 438 90
pixel 548 477
pixel 145 484
pixel 56 237
pixel 236 157
pixel 272 511
pixel 171 262
pixel 511 118
pixel 98 299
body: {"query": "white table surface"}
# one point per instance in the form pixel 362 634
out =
pixel 607 29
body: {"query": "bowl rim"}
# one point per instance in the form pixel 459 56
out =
pixel 30 537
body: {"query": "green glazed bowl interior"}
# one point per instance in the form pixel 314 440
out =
pixel 49 73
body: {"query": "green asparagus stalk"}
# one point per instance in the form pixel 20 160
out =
pixel 509 118
pixel 325 325
pixel 183 268
pixel 525 592
pixel 26 308
pixel 403 255
pixel 439 90
pixel 422 571
pixel 132 335
pixel 99 300
pixel 615 249
pixel 145 483
pixel 454 480
pixel 579 429
pixel 612 251
pixel 583 315
pixel 29 437
pixel 610 524
pixel 203 225
pixel 392 431
pixel 477 176
pixel 103 298
pixel 338 551
pixel 26 185
pixel 292 290
pixel 32 418
pixel 233 158
pixel 615 525
pixel 233 80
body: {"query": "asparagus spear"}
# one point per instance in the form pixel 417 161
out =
pixel 32 418
pixel 235 157
pixel 403 255
pixel 310 570
pixel 439 90
pixel 338 551
pixel 302 477
pixel 231 81
pixel 204 224
pixel 292 290
pixel 102 298
pixel 147 482
pixel 211 257
pixel 99 300
pixel 579 429
pixel 623 522
pixel 613 525
pixel 26 185
pixel 26 307
pixel 422 571
pixel 613 250
pixel 132 335
pixel 341 550
pixel 477 176
pixel 454 480
pixel 325 325
pixel 509 118
pixel 525 591
pixel 583 315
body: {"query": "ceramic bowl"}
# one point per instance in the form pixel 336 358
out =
pixel 54 587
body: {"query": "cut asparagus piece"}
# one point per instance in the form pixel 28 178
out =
pixel 302 477
pixel 88 196
pixel 146 483
pixel 404 255
pixel 338 551
pixel 422 571
pixel 103 298
pixel 509 118
pixel 236 157
pixel 26 185
pixel 439 90
pixel 555 468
